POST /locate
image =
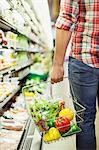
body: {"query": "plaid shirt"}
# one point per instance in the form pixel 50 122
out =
pixel 82 18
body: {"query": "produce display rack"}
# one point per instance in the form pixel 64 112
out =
pixel 24 65
pixel 28 131
pixel 23 49
pixel 2 104
pixel 25 9
pixel 21 78
pixel 27 50
pixel 9 27
pixel 17 68
pixel 11 71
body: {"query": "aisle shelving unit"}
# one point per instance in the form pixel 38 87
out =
pixel 7 99
pixel 25 75
pixel 6 26
pixel 23 65
pixel 19 67
pixel 37 36
pixel 22 49
pixel 11 71
pixel 9 27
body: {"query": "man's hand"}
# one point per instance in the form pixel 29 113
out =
pixel 57 73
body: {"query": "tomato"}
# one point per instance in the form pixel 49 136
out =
pixel 62 124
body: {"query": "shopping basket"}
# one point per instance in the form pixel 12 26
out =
pixel 53 116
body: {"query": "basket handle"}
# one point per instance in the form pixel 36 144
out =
pixel 51 91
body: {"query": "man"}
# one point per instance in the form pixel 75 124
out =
pixel 80 19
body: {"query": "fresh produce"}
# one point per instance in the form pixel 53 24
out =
pixel 42 111
pixel 52 118
pixel 73 128
pixel 52 134
pixel 62 124
pixel 51 122
pixel 67 112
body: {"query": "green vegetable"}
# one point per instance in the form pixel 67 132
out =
pixel 43 111
pixel 74 129
pixel 51 122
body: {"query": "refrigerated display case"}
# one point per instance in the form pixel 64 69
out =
pixel 22 38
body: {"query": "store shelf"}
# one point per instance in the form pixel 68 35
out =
pixel 27 136
pixel 26 50
pixel 23 65
pixel 7 26
pixel 6 71
pixel 17 68
pixel 21 78
pixel 22 49
pixel 9 97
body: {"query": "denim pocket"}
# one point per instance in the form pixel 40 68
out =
pixel 80 73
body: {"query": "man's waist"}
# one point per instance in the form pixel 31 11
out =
pixel 87 58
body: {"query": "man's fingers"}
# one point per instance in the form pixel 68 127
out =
pixel 60 79
pixel 55 80
pixel 52 82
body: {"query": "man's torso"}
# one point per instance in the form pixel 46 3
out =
pixel 85 39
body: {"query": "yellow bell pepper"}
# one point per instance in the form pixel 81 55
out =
pixel 46 137
pixel 52 134
pixel 67 112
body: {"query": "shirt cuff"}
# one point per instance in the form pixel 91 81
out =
pixel 65 24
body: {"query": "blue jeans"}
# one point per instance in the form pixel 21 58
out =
pixel 84 85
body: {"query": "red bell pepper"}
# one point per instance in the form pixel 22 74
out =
pixel 62 124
